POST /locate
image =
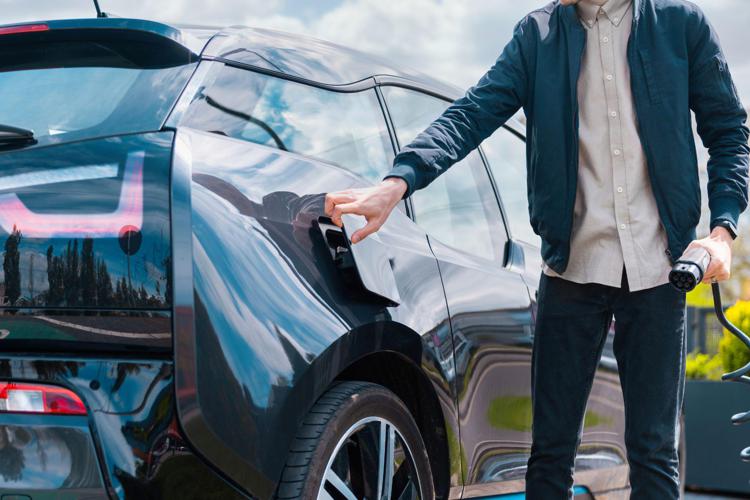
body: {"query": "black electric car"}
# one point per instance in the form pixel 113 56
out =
pixel 178 317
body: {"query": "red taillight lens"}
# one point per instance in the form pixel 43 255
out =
pixel 23 28
pixel 37 398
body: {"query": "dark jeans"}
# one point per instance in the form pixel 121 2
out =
pixel 649 345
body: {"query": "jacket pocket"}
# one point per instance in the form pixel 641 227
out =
pixel 723 79
pixel 649 72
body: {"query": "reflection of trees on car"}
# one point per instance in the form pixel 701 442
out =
pixel 11 262
pixel 11 458
pixel 75 278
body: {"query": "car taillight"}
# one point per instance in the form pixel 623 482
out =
pixel 39 398
pixel 23 28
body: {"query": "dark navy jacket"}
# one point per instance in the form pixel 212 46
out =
pixel 676 65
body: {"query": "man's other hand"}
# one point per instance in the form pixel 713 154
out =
pixel 719 245
pixel 375 204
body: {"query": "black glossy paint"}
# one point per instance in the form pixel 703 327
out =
pixel 288 324
pixel 48 455
pixel 128 446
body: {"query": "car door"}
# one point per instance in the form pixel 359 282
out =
pixel 601 455
pixel 266 319
pixel 488 303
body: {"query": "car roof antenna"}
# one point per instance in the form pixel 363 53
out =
pixel 99 12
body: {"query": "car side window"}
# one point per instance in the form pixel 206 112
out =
pixel 458 208
pixel 346 129
pixel 506 155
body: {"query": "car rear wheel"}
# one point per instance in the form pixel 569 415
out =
pixel 358 441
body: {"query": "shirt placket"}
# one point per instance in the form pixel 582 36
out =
pixel 607 45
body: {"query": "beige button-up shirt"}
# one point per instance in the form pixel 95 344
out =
pixel 616 221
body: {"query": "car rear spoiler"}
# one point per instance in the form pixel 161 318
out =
pixel 137 29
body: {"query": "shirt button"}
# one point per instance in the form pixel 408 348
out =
pixel 617 152
pixel 616 20
pixel 622 226
pixel 619 189
pixel 605 39
pixel 613 114
pixel 610 77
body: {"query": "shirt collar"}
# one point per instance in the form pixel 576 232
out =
pixel 614 10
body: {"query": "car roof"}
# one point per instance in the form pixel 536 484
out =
pixel 298 56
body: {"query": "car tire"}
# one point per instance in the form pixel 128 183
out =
pixel 349 432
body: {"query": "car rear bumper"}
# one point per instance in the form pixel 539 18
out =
pixel 129 445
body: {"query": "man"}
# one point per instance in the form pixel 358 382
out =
pixel 607 87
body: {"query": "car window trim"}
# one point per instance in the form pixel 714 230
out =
pixel 394 143
pixel 353 87
pixel 505 261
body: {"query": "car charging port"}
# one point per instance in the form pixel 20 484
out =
pixel 338 247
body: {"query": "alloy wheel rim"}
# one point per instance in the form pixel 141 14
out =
pixel 371 461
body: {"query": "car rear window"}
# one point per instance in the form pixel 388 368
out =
pixel 86 224
pixel 71 89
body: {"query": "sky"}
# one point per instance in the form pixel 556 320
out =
pixel 452 40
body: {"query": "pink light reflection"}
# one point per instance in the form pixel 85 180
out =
pixel 129 211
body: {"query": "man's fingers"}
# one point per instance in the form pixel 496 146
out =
pixel 333 199
pixel 371 226
pixel 709 274
pixel 716 270
pixel 721 275
pixel 339 210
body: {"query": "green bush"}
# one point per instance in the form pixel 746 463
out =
pixel 700 296
pixel 701 366
pixel 734 354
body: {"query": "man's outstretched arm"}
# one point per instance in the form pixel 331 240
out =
pixel 722 127
pixel 499 94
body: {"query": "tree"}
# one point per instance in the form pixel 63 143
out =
pixel 71 278
pixel 104 292
pixel 11 266
pixel 54 278
pixel 88 272
pixel 31 278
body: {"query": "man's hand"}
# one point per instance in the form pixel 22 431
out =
pixel 719 246
pixel 375 203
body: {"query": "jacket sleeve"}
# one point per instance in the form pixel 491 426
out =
pixel 498 95
pixel 721 123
